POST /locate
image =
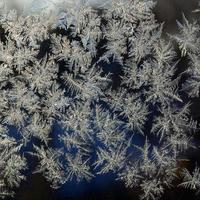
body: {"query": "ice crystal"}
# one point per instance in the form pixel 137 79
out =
pixel 104 74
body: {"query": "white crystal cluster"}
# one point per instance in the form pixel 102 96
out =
pixel 105 77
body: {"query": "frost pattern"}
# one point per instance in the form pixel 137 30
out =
pixel 104 77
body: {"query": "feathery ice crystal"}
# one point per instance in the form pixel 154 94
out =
pixel 104 76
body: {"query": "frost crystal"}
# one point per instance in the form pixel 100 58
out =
pixel 104 75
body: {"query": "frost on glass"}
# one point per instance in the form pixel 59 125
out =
pixel 104 75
